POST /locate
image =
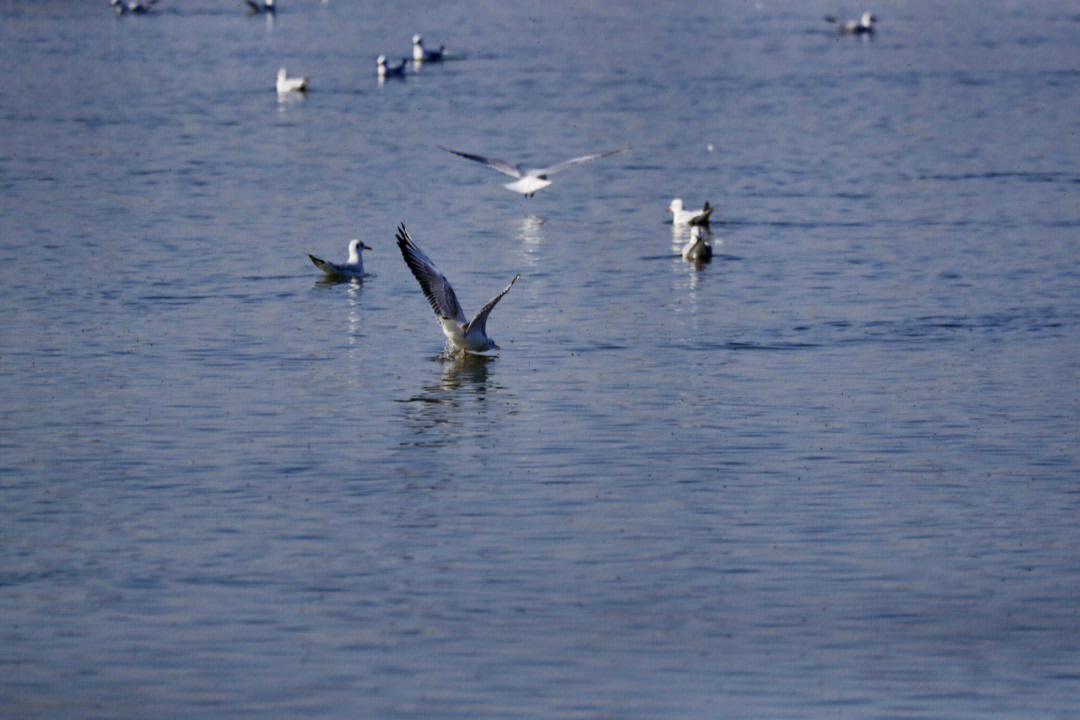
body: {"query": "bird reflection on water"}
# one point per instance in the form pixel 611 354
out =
pixel 465 370
pixel 356 324
pixel 530 233
pixel 355 284
pixel 453 406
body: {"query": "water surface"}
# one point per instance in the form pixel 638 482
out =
pixel 830 474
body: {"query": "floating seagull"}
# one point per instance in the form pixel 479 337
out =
pixel 465 336
pixel 351 268
pixel 679 216
pixel 422 54
pixel 385 71
pixel 286 84
pixel 136 7
pixel 862 26
pixel 261 6
pixel 530 179
pixel 697 249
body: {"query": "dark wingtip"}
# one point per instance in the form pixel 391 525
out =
pixel 402 235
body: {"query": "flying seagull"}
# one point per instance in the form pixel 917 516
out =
pixel 679 216
pixel 863 26
pixel 423 54
pixel 351 268
pixel 470 336
pixel 529 179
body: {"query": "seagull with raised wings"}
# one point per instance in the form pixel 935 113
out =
pixel 466 336
pixel 529 179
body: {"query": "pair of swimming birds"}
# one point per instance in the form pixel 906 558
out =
pixel 420 54
pixel 465 335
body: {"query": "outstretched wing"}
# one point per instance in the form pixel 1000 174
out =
pixel 503 167
pixel 577 161
pixel 482 316
pixel 436 287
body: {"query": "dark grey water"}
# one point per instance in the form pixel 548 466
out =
pixel 833 474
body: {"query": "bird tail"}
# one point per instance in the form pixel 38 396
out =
pixel 321 264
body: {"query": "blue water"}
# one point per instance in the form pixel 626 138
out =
pixel 831 474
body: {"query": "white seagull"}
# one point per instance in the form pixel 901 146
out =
pixel 385 71
pixel 261 6
pixel 423 54
pixel 136 7
pixel 863 26
pixel 286 84
pixel 529 179
pixel 697 249
pixel 351 268
pixel 470 336
pixel 679 216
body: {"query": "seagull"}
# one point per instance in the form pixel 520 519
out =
pixel 422 54
pixel 689 217
pixel 465 336
pixel 136 7
pixel 286 84
pixel 529 179
pixel 351 268
pixel 261 6
pixel 385 71
pixel 862 26
pixel 697 249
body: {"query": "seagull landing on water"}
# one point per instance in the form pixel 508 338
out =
pixel 260 6
pixel 351 268
pixel 286 84
pixel 679 216
pixel 529 179
pixel 422 54
pixel 470 336
pixel 136 7
pixel 384 71
pixel 697 249
pixel 863 26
